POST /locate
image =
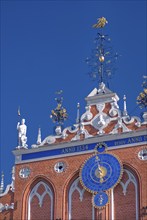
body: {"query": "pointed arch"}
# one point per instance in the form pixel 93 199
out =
pixel 79 201
pixel 125 197
pixel 38 199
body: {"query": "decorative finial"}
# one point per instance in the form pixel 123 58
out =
pixel 18 112
pixel 78 113
pixel 103 58
pixel 39 136
pixel 13 178
pixel 125 113
pixel 100 23
pixel 142 98
pixel 59 114
pixel 2 183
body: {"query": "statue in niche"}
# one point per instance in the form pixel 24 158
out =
pixel 22 130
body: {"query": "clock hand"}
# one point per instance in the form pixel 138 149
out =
pixel 99 170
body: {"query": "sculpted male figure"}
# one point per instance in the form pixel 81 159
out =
pixel 22 130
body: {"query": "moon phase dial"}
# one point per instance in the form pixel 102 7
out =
pixel 101 172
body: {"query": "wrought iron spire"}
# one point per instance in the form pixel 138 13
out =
pixel 78 113
pixel 102 60
pixel 59 114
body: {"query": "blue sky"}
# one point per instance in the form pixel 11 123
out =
pixel 43 48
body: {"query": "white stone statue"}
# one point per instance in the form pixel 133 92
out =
pixel 22 130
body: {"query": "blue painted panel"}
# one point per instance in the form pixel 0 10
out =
pixel 82 148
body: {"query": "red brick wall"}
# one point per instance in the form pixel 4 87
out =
pixel 43 212
pixel 60 182
pixel 81 210
pixel 125 205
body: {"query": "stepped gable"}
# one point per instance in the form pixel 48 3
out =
pixel 102 117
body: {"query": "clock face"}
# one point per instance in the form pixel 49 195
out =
pixel 100 200
pixel 101 172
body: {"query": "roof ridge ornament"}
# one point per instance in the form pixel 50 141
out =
pixel 78 113
pixel 142 100
pixel 39 136
pixel 59 114
pixel 101 88
pixel 13 179
pixel 102 60
pixel 22 131
pixel 101 22
pixel 2 183
pixel 142 97
pixel 125 113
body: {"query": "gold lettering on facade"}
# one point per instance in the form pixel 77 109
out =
pixel 130 140
pixel 74 149
pixel 122 142
pixel 134 140
pixel 80 148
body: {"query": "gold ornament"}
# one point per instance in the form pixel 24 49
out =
pixel 101 23
pixel 101 58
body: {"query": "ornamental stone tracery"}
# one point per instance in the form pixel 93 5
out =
pixel 102 116
pixel 128 190
pixel 38 194
pixel 76 191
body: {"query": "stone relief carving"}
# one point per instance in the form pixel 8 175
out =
pixel 87 115
pixel 99 122
pixel 6 206
pixel 81 130
pixel 120 124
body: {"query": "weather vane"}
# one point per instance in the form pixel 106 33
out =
pixel 102 60
pixel 142 98
pixel 59 114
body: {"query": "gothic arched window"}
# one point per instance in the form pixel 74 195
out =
pixel 125 199
pixel 80 204
pixel 40 203
pixel 79 200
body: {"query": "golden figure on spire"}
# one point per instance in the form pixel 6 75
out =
pixel 100 23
